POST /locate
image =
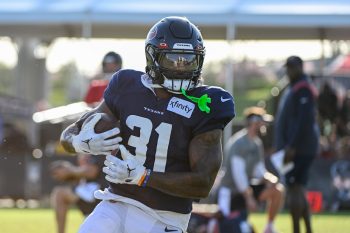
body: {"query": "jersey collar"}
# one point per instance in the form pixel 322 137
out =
pixel 148 83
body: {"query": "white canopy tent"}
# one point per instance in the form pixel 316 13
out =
pixel 220 19
pixel 252 19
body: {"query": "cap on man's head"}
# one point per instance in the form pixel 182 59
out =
pixel 112 57
pixel 293 61
pixel 254 114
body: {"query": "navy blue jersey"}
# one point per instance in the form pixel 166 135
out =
pixel 159 131
pixel 296 125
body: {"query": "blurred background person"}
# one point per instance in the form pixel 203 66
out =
pixel 340 172
pixel 111 63
pixel 235 222
pixel 246 178
pixel 297 133
pixel 79 184
pixel 13 141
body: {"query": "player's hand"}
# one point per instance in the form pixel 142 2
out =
pixel 126 171
pixel 87 141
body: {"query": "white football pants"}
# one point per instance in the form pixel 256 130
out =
pixel 121 217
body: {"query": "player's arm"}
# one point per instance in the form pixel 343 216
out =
pixel 205 157
pixel 205 154
pixel 67 136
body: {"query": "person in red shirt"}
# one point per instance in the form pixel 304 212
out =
pixel 111 63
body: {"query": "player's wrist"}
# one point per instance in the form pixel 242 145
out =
pixel 144 178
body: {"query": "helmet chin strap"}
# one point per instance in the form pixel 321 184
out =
pixel 165 85
pixel 156 85
pixel 175 85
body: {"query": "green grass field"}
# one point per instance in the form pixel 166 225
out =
pixel 42 221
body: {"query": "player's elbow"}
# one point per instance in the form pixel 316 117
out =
pixel 204 188
pixel 204 194
pixel 206 181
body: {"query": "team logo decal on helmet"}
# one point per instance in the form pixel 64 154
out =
pixel 175 54
pixel 152 33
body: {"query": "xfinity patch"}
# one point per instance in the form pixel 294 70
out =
pixel 181 107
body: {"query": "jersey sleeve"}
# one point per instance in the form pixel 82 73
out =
pixel 112 93
pixel 222 111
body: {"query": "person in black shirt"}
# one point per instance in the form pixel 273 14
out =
pixel 297 133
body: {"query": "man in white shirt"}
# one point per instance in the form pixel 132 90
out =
pixel 246 174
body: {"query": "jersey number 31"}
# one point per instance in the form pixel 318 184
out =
pixel 140 143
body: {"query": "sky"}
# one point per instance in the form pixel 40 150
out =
pixel 88 53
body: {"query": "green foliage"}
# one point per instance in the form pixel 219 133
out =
pixel 250 86
pixel 250 97
pixel 258 82
pixel 60 85
pixel 6 79
pixel 212 72
pixel 57 97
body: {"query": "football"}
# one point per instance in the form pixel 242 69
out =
pixel 104 124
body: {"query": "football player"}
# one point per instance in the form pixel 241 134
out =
pixel 169 137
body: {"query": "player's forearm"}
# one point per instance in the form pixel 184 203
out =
pixel 205 159
pixel 186 185
pixel 67 138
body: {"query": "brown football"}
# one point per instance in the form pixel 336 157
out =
pixel 104 124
